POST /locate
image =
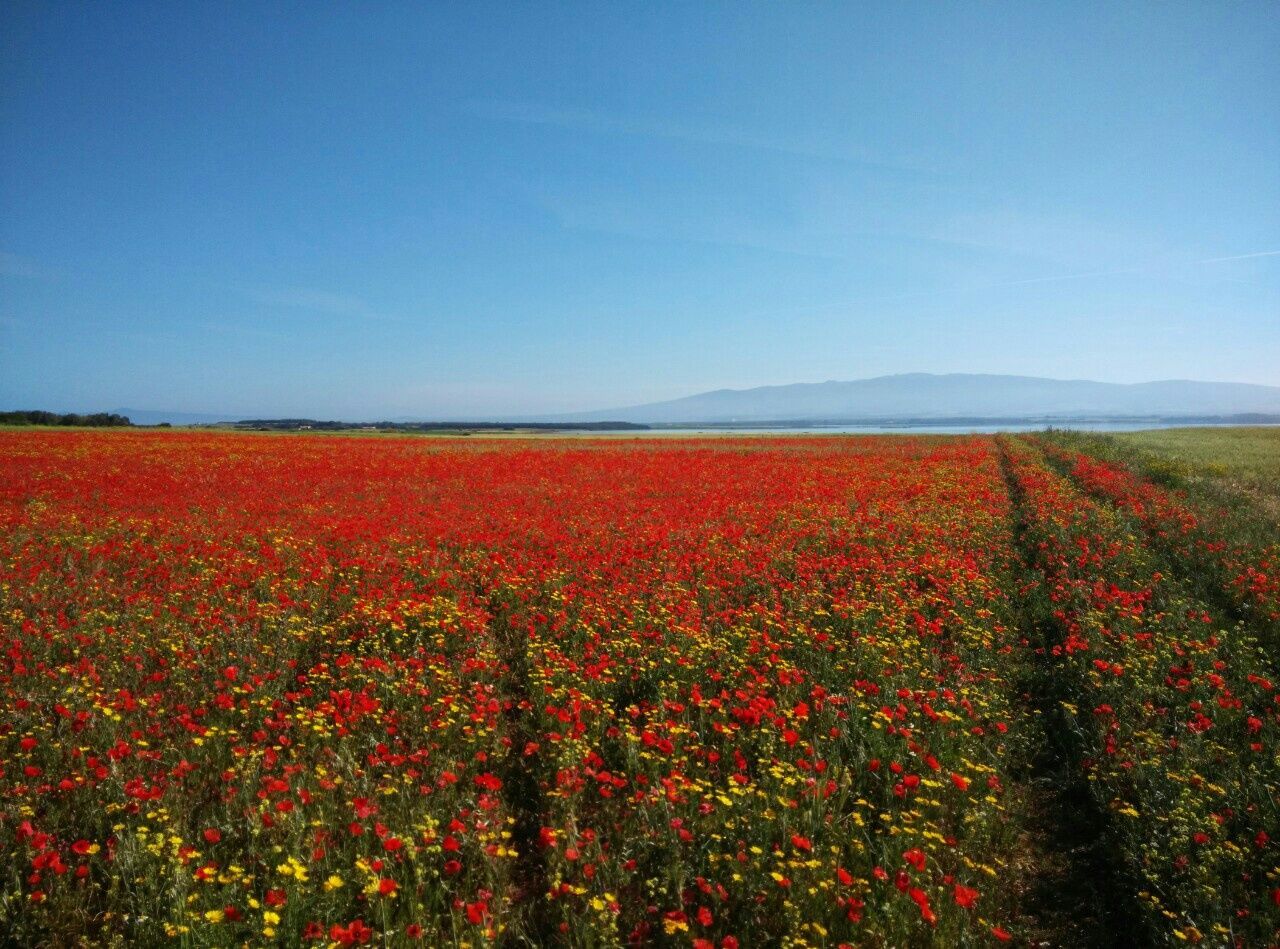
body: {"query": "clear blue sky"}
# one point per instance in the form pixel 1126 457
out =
pixel 361 210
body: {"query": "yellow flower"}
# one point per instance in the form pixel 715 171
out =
pixel 333 882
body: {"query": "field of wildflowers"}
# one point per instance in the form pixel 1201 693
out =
pixel 725 692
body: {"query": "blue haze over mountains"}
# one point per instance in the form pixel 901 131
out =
pixel 910 396
pixel 926 396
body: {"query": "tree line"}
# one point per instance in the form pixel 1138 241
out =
pixel 35 417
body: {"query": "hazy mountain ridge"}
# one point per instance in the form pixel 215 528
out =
pixel 916 397
pixel 926 396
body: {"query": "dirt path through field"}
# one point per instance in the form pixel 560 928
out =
pixel 1074 892
pixel 522 790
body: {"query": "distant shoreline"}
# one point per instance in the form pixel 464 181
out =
pixel 890 423
pixel 884 424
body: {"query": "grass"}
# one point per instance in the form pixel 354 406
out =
pixel 1241 461
pixel 1246 452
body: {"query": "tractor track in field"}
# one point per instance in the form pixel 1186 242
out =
pixel 522 791
pixel 1229 611
pixel 1076 892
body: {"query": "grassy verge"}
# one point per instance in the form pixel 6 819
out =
pixel 1243 462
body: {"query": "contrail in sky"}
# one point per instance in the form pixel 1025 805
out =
pixel 1261 253
pixel 1128 270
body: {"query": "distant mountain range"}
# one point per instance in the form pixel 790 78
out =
pixel 911 398
pixel 922 396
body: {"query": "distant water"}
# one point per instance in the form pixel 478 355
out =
pixel 937 429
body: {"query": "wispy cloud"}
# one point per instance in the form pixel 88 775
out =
pixel 316 301
pixel 1074 243
pixel 240 330
pixel 1261 253
pixel 1058 278
pixel 721 225
pixel 1139 270
pixel 707 133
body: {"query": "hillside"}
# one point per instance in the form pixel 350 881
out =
pixel 925 396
